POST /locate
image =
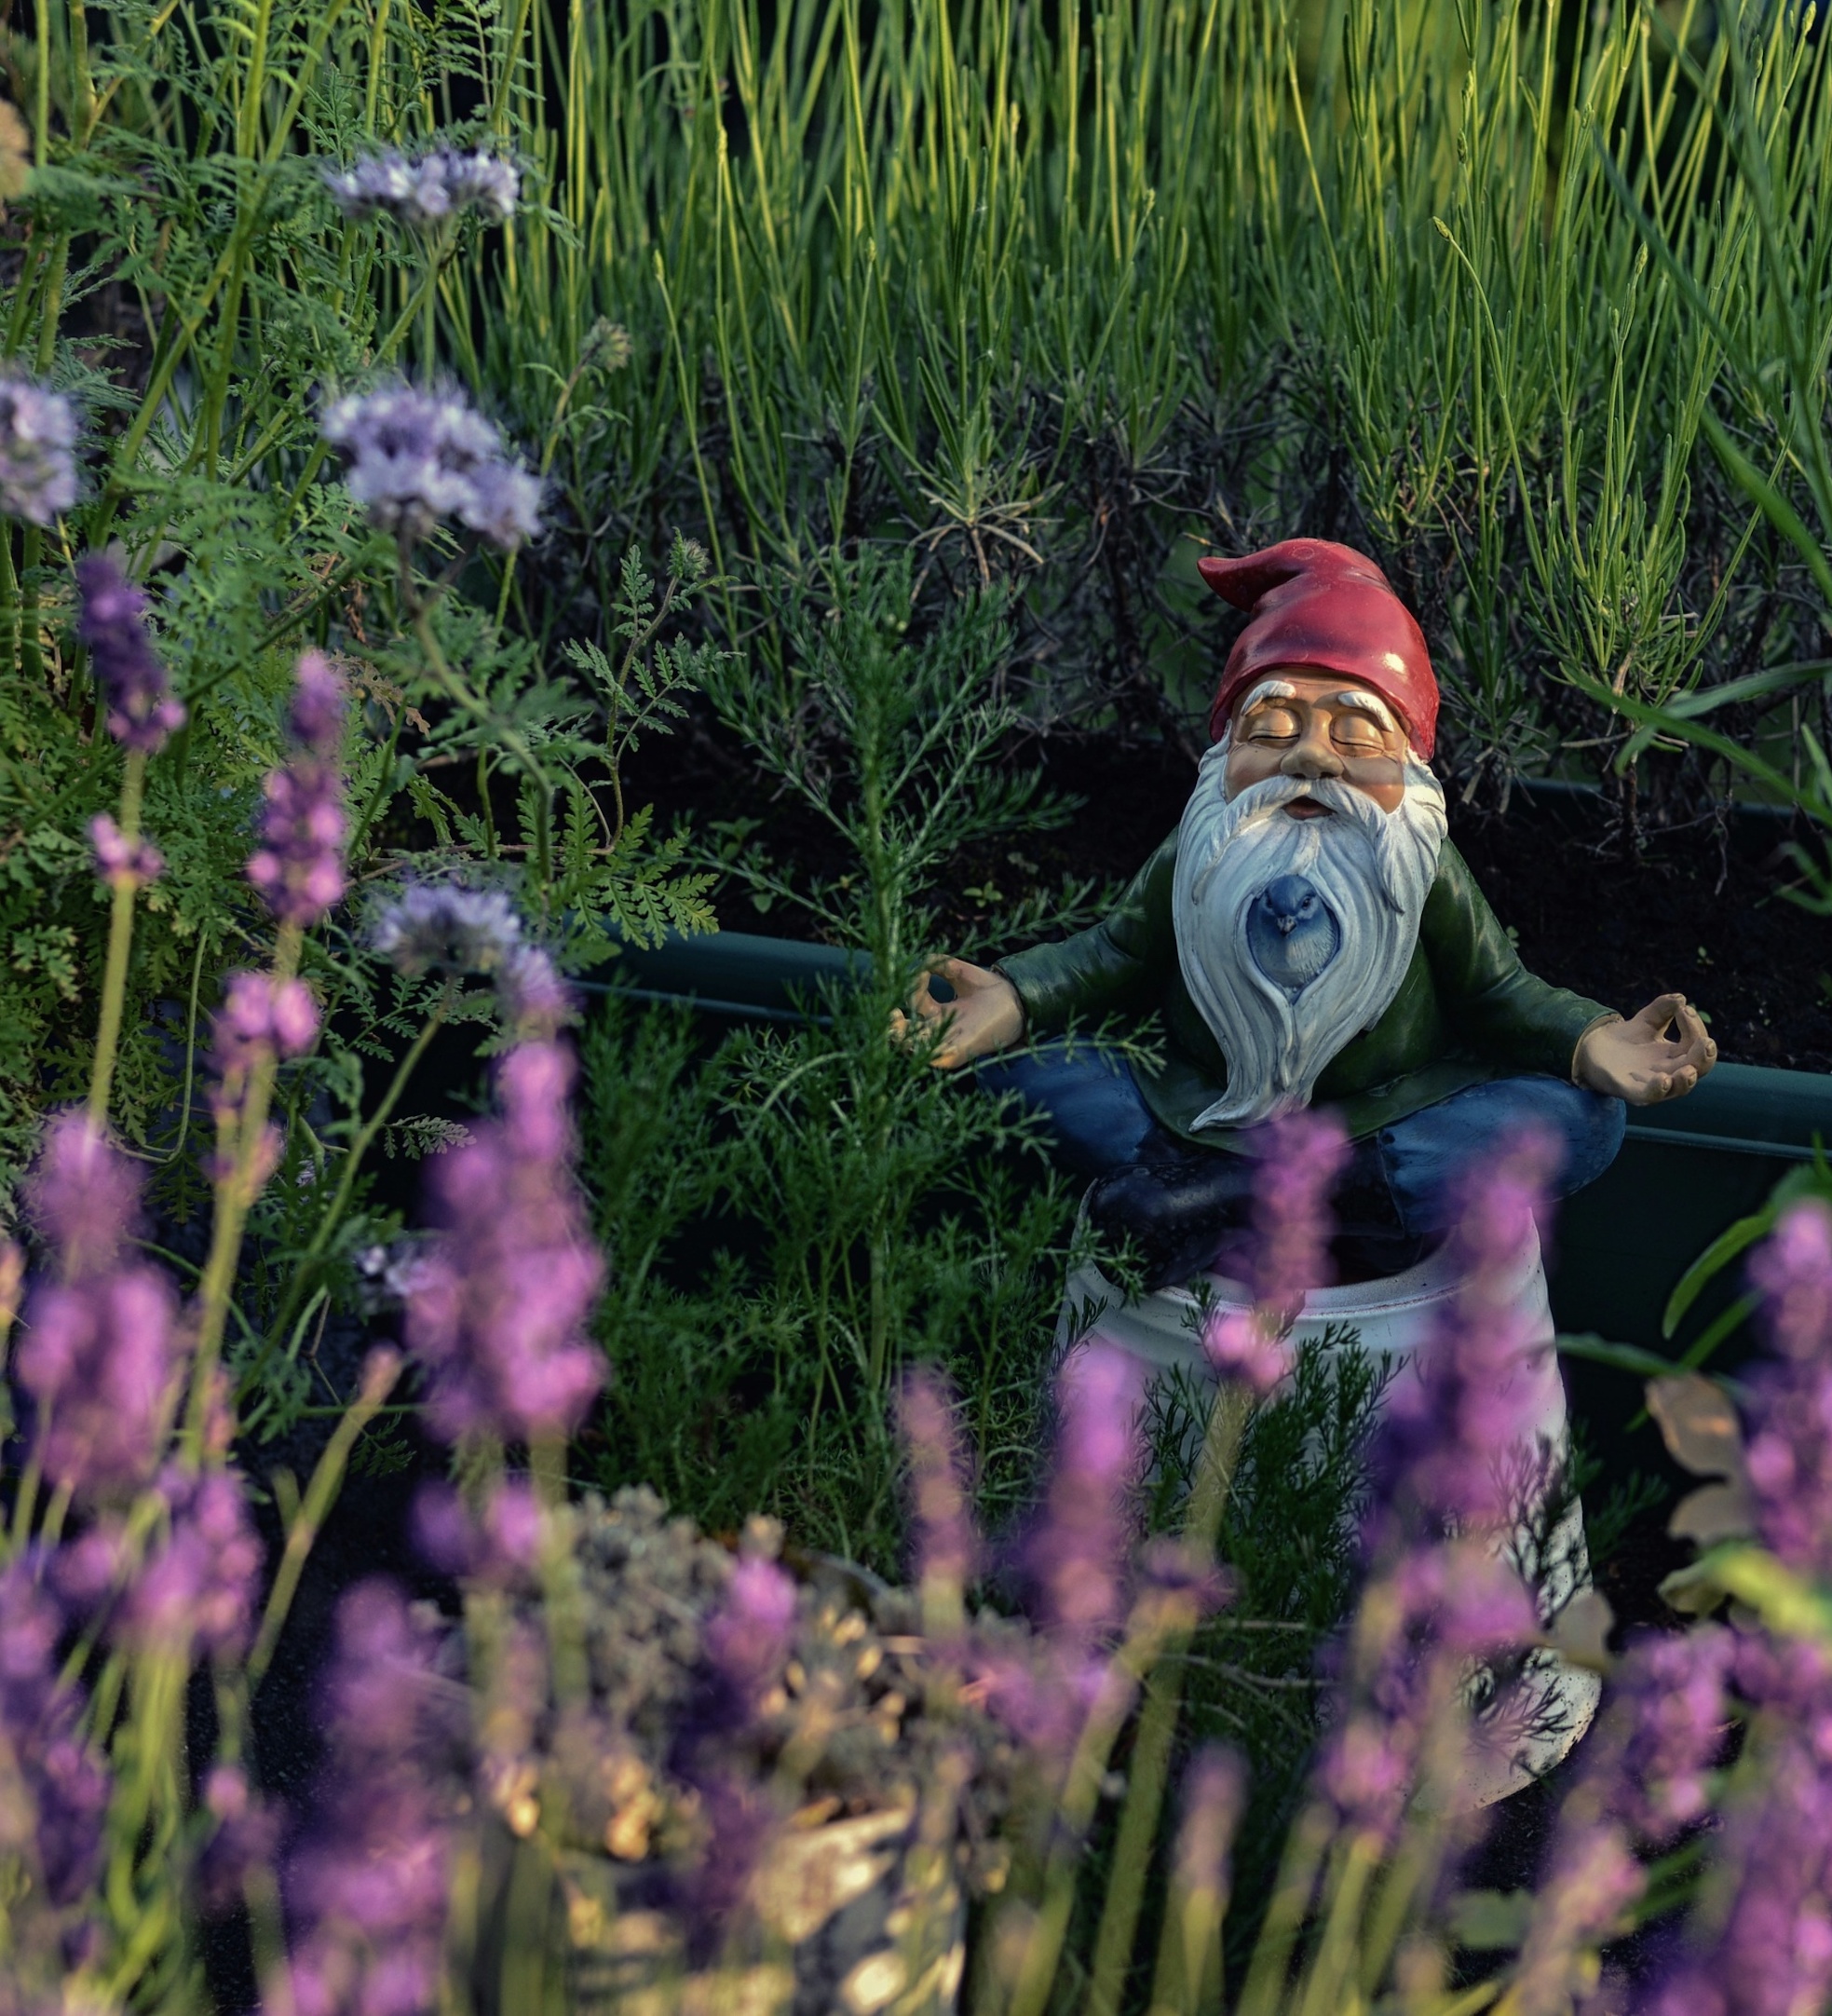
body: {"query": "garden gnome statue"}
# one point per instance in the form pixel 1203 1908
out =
pixel 1309 937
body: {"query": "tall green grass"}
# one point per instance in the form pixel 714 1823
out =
pixel 1068 292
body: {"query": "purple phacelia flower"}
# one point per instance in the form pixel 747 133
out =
pixel 261 1017
pixel 121 863
pixel 111 624
pixel 497 1310
pixel 446 927
pixel 372 1883
pixel 299 866
pixel 37 465
pixel 1446 1455
pixel 422 194
pixel 53 1792
pixel 414 458
pixel 947 1544
pixel 196 1591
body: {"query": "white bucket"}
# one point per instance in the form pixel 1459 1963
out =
pixel 1395 1319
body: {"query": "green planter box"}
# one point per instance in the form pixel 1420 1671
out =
pixel 1686 1172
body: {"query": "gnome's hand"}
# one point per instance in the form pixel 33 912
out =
pixel 985 1013
pixel 1661 1054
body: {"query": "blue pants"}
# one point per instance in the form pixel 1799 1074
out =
pixel 1102 1122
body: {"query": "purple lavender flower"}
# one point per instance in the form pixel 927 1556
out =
pixel 1445 1456
pixel 82 1195
pixel 245 1837
pixel 97 1351
pixel 423 193
pixel 142 711
pixel 501 1549
pixel 1419 1626
pixel 1214 1793
pixel 261 1017
pixel 1079 1552
pixel 372 1881
pixel 121 863
pixel 747 1638
pixel 196 1592
pixel 941 1505
pixel 299 867
pixel 37 467
pixel 1789 1455
pixel 415 458
pixel 497 1309
pixel 52 1792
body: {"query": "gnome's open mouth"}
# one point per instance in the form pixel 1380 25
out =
pixel 1307 808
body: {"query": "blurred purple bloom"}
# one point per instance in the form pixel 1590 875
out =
pixel 497 1310
pixel 535 1000
pixel 1591 1879
pixel 1445 1455
pixel 299 866
pixel 414 458
pixel 1789 1453
pixel 747 1638
pixel 196 1593
pixel 447 927
pixel 98 1356
pixel 425 192
pixel 941 1498
pixel 247 1835
pixel 122 863
pixel 53 1792
pixel 1079 1552
pixel 1662 1730
pixel 1420 1626
pixel 372 1883
pixel 82 1195
pixel 1240 1348
pixel 1214 1793
pixel 37 467
pixel 500 1550
pixel 1300 1157
pixel 260 1015
pixel 142 711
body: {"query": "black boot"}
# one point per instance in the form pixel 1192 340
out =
pixel 1178 1209
pixel 1371 1240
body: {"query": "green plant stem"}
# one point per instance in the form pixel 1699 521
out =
pixel 241 1134
pixel 120 949
pixel 1157 1721
pixel 359 1147
pixel 379 1373
pixel 563 1599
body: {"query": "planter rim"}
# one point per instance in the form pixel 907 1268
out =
pixel 1744 1109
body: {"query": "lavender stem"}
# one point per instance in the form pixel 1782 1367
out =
pixel 120 946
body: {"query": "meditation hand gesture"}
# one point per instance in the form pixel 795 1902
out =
pixel 1639 1061
pixel 985 1013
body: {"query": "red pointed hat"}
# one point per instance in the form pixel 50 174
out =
pixel 1315 602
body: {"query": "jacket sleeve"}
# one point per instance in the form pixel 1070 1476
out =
pixel 1121 963
pixel 1490 1003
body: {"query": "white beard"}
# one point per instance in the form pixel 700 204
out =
pixel 1373 868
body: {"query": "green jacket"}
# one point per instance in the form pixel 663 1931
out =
pixel 1467 1010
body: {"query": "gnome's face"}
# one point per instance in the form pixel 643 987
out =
pixel 1306 854
pixel 1296 722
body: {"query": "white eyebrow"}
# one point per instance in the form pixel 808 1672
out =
pixel 1269 690
pixel 1368 703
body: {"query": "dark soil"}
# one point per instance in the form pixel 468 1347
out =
pixel 1699 908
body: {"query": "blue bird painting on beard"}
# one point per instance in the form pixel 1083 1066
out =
pixel 1292 933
